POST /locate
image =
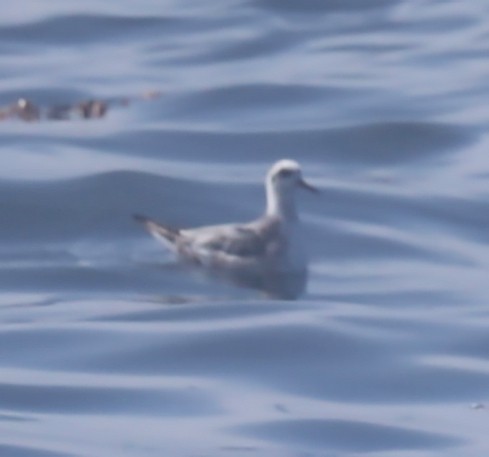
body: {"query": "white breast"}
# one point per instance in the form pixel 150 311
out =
pixel 296 254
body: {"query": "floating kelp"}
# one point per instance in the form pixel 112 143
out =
pixel 28 111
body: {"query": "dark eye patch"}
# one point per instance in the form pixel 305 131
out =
pixel 284 173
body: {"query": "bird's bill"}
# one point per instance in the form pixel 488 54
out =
pixel 308 186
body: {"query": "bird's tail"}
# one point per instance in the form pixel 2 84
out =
pixel 159 231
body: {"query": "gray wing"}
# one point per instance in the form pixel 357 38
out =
pixel 250 240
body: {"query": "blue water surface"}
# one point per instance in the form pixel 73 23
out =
pixel 110 348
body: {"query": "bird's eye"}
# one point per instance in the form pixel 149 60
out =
pixel 284 173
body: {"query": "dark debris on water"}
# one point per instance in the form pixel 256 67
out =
pixel 28 111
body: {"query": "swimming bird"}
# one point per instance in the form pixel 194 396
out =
pixel 262 250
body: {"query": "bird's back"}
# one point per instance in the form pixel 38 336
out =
pixel 267 244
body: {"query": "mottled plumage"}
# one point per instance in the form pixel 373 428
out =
pixel 267 246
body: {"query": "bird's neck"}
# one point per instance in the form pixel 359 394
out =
pixel 281 204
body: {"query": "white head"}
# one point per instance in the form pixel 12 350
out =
pixel 283 179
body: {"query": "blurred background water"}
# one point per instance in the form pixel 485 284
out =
pixel 109 348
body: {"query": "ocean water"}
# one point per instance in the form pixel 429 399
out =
pixel 110 348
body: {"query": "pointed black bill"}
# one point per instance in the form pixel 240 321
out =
pixel 308 186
